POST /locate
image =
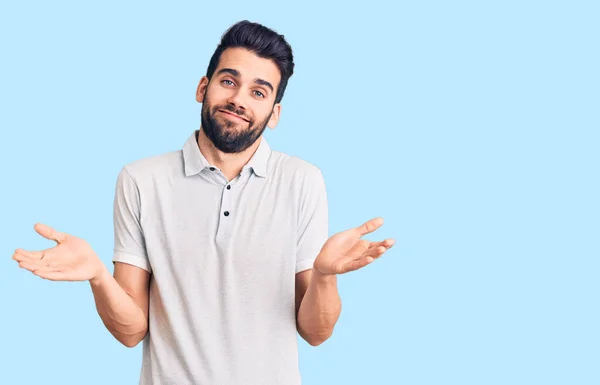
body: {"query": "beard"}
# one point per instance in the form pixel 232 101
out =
pixel 224 134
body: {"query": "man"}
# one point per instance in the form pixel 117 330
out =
pixel 221 251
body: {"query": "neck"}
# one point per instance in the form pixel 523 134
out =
pixel 230 164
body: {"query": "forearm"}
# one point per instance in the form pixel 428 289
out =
pixel 320 308
pixel 123 318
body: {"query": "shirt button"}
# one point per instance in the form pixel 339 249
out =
pixel 212 169
pixel 226 213
pixel 228 187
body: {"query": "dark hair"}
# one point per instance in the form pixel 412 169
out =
pixel 262 41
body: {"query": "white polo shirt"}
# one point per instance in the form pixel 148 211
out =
pixel 223 258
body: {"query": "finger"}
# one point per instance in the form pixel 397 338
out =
pixel 46 255
pixel 51 275
pixel 32 255
pixel 39 269
pixel 375 252
pixel 388 243
pixel 370 226
pixel 46 262
pixel 364 247
pixel 30 265
pixel 20 257
pixel 49 233
pixel 356 264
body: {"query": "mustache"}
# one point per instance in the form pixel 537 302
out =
pixel 232 109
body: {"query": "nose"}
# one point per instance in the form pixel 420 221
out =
pixel 237 101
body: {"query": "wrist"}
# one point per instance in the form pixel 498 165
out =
pixel 100 276
pixel 320 277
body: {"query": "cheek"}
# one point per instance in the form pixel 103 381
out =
pixel 261 113
pixel 216 95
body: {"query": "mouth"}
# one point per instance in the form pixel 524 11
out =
pixel 231 115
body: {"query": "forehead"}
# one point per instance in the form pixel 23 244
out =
pixel 249 65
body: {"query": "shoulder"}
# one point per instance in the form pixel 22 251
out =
pixel 153 167
pixel 293 166
pixel 298 177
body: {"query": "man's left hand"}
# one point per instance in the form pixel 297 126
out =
pixel 346 251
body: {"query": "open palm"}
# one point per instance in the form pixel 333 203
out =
pixel 72 259
pixel 346 251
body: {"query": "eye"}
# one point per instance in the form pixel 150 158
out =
pixel 259 94
pixel 227 82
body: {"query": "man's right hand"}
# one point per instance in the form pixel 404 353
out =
pixel 72 259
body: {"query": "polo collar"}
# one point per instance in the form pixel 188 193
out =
pixel 195 162
pixel 260 159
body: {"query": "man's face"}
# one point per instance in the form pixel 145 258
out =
pixel 238 102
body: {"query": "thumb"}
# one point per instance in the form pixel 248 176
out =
pixel 370 226
pixel 49 233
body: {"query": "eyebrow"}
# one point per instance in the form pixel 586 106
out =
pixel 236 73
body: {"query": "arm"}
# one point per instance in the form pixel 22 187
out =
pixel 122 302
pixel 318 305
pixel 317 301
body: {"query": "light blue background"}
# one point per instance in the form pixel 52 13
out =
pixel 471 127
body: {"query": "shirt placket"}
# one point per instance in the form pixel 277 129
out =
pixel 227 214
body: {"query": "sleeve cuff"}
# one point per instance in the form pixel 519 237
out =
pixel 132 259
pixel 304 265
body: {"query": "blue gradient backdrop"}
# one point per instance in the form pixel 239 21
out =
pixel 471 127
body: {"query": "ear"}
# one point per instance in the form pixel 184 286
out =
pixel 272 123
pixel 201 90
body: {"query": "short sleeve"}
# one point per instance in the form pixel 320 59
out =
pixel 130 246
pixel 313 227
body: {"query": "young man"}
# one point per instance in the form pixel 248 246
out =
pixel 221 250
